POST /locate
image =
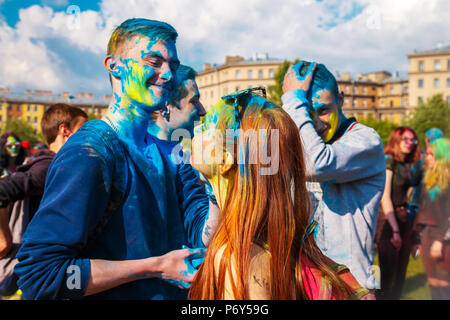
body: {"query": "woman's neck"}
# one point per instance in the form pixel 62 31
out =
pixel 220 185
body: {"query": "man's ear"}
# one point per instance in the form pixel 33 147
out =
pixel 64 131
pixel 111 65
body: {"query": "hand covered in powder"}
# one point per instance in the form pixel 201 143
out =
pixel 179 266
pixel 295 79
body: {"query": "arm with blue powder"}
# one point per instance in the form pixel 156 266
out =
pixel 201 213
pixel 353 157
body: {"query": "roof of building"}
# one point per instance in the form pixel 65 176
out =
pixel 438 49
pixel 255 59
pixel 399 77
pixel 52 98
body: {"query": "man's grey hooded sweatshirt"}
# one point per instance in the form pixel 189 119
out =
pixel 351 171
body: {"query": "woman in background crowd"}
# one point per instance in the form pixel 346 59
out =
pixel 262 248
pixel 403 172
pixel 434 216
pixel 12 154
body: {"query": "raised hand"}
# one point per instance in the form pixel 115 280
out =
pixel 294 80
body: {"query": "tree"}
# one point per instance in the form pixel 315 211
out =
pixel 435 113
pixel 382 127
pixel 23 130
pixel 92 116
pixel 276 90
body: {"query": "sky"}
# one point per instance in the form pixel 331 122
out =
pixel 60 45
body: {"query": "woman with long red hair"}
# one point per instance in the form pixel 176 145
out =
pixel 403 173
pixel 262 248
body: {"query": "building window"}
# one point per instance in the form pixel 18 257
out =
pixel 364 103
pixel 1 118
pixel 365 90
pixel 18 107
pixel 436 83
pixel 35 119
pixel 238 74
pixel 437 64
pixel 347 90
pixel 354 90
pixel 419 100
pixel 392 91
pixel 448 82
pixel 448 101
pixel 406 89
pixel 260 74
pixel 420 65
pixel 391 103
pixel 250 74
pixel 420 83
pixel 28 108
pixel 35 108
pixel 28 119
pixel 271 73
pixel 212 94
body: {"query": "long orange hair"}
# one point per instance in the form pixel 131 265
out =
pixel 272 210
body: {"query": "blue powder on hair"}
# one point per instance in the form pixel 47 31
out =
pixel 323 79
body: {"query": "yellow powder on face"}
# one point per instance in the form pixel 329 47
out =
pixel 334 117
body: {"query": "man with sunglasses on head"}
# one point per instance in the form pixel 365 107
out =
pixel 347 159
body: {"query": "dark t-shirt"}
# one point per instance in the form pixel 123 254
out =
pixel 405 175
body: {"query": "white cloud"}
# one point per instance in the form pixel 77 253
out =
pixel 25 62
pixel 377 39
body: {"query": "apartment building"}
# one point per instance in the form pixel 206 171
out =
pixel 381 94
pixel 29 106
pixel 237 73
pixel 429 74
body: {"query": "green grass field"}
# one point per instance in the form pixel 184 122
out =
pixel 416 287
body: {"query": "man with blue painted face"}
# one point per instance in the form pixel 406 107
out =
pixel 347 159
pixel 105 228
pixel 169 130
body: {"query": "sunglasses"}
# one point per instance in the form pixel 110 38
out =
pixel 10 145
pixel 412 141
pixel 236 97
